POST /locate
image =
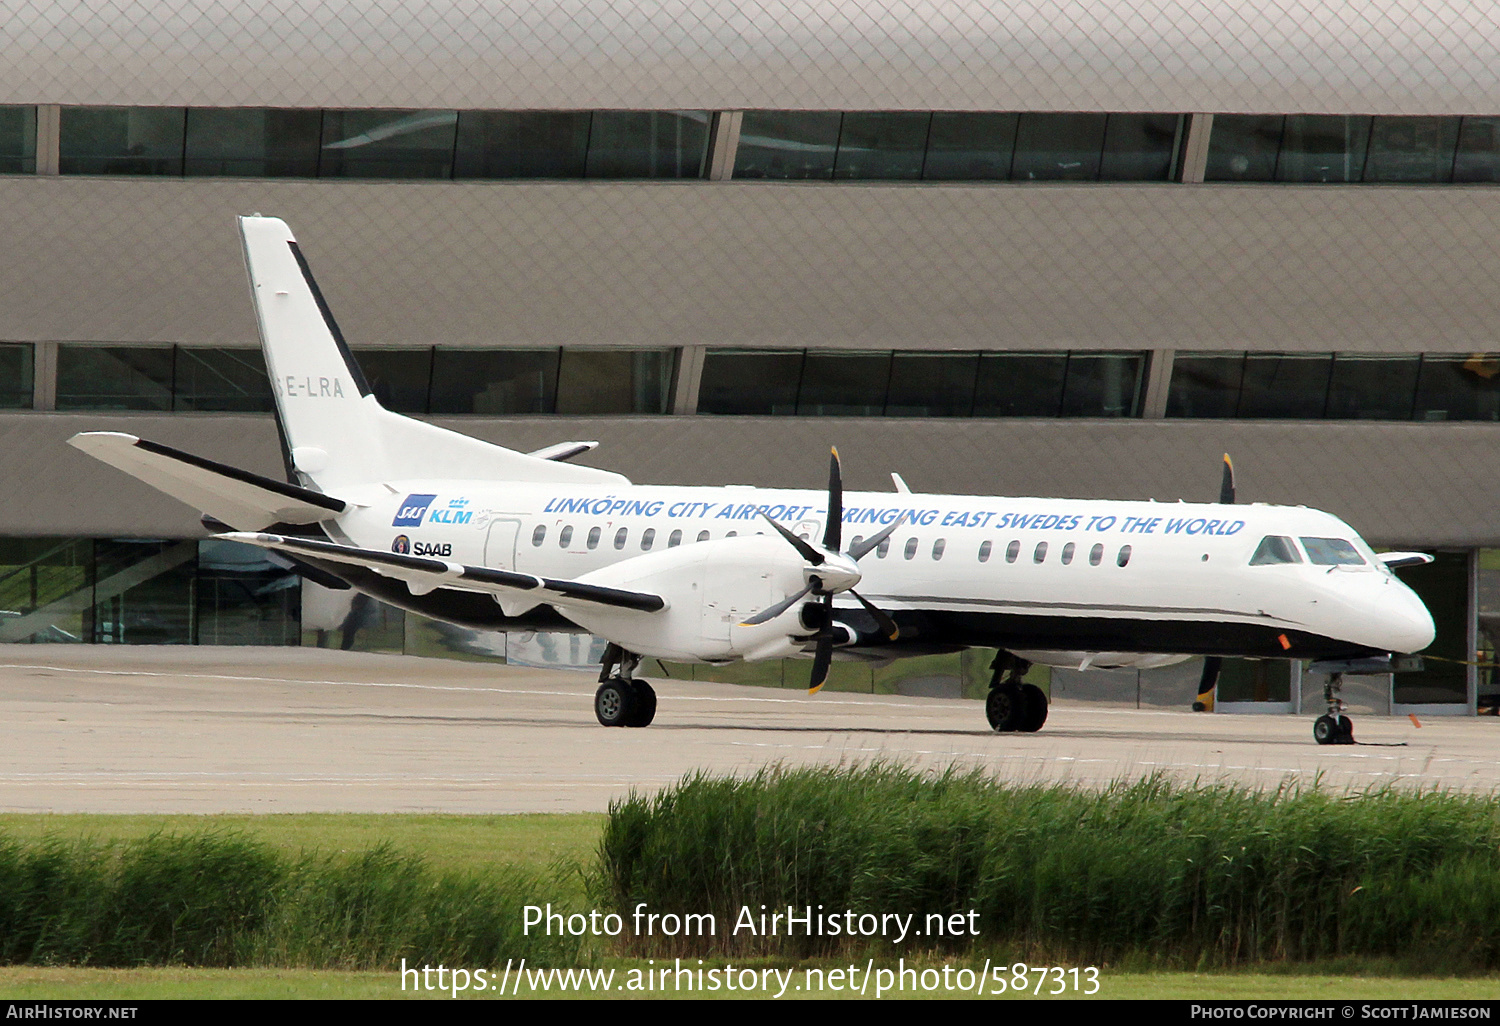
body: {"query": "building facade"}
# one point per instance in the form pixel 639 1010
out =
pixel 1072 249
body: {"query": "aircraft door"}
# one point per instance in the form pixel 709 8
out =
pixel 500 544
pixel 809 530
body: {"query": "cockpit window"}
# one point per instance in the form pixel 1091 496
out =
pixel 1273 548
pixel 1331 552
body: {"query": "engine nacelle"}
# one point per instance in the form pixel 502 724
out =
pixel 711 588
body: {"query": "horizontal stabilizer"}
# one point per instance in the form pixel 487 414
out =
pixel 423 575
pixel 237 497
pixel 563 451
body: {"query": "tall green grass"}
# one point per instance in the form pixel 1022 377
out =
pixel 1196 875
pixel 217 899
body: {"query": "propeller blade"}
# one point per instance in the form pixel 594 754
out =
pixel 887 625
pixel 833 532
pixel 823 655
pixel 772 612
pixel 869 544
pixel 1206 684
pixel 807 552
pixel 1226 486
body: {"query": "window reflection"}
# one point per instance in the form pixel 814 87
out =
pixel 787 144
pixel 647 144
pixel 1059 147
pixel 17 140
pixel 16 368
pixel 252 143
pixel 614 381
pixel 121 140
pixel 1205 385
pixel 521 144
pixel 494 382
pixel 114 377
pixel 388 143
pixel 882 145
pixel 1285 385
pixel 970 146
pixel 1323 148
pixel 1459 387
pixel 750 382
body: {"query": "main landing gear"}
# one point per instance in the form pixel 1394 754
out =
pixel 621 701
pixel 1012 705
pixel 1334 728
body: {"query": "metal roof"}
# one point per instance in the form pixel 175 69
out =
pixel 1311 56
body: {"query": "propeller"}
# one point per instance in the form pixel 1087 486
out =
pixel 1214 664
pixel 830 570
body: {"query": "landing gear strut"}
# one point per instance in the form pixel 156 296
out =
pixel 1334 728
pixel 1012 705
pixel 621 701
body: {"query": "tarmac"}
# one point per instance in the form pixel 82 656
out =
pixel 114 729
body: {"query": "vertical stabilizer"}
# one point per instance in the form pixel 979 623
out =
pixel 335 432
pixel 320 392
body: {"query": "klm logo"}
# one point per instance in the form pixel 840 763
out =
pixel 453 514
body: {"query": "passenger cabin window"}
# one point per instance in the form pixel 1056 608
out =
pixel 1331 552
pixel 1124 556
pixel 703 536
pixel 911 548
pixel 620 538
pixel 1096 555
pixel 938 547
pixel 984 551
pixel 1274 548
pixel 883 547
pixel 674 539
pixel 1012 551
pixel 594 533
pixel 648 538
pixel 539 535
pixel 1041 552
pixel 1067 553
pixel 566 537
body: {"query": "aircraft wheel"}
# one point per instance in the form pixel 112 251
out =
pixel 1005 708
pixel 645 705
pixel 1330 731
pixel 1036 708
pixel 614 703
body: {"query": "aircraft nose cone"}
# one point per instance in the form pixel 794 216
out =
pixel 1408 622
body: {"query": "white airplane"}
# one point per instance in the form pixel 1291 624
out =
pixel 458 529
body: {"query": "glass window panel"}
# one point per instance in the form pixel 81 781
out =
pixel 494 382
pixel 614 381
pixel 400 378
pixel 647 144
pixel 388 143
pixel 521 144
pixel 882 145
pixel 1478 158
pixel 747 382
pixel 1020 384
pixel 1412 150
pixel 1323 148
pixel 156 611
pixel 932 385
pixel 251 142
pixel 1459 387
pixel 1103 385
pixel 1331 552
pixel 964 147
pixel 1368 387
pixel 16 382
pixel 844 384
pixel 1275 549
pixel 1243 147
pixel 1059 147
pixel 1286 385
pixel 121 140
pixel 114 377
pixel 18 140
pixel 243 598
pixel 228 380
pixel 787 144
pixel 1205 385
pixel 1140 147
pixel 1443 587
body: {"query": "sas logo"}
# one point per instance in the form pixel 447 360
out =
pixel 402 545
pixel 411 511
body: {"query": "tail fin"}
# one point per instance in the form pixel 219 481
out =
pixel 336 432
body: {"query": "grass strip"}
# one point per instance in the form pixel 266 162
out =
pixel 1185 875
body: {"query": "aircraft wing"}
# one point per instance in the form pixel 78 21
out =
pixel 236 497
pixel 423 574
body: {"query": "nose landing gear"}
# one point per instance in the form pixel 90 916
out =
pixel 1334 728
